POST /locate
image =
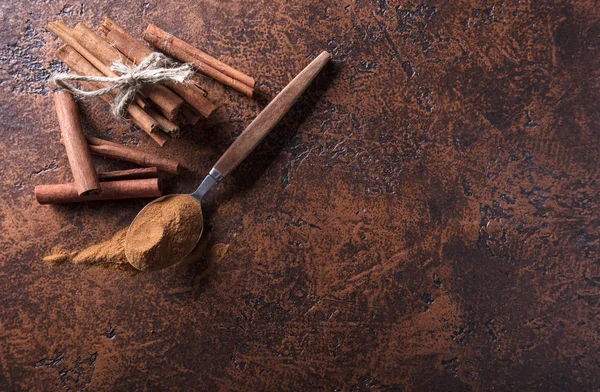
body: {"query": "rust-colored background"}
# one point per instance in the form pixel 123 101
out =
pixel 426 218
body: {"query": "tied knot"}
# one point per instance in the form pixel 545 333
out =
pixel 156 68
pixel 130 79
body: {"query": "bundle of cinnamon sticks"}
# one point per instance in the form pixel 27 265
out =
pixel 157 109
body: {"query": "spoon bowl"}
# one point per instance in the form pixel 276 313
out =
pixel 211 180
pixel 164 232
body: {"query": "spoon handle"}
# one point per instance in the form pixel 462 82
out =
pixel 269 117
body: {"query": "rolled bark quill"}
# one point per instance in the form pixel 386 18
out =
pixel 131 174
pixel 108 149
pixel 166 126
pixel 111 190
pixel 78 64
pixel 179 44
pixel 136 51
pixel 204 63
pixel 165 99
pixel 80 159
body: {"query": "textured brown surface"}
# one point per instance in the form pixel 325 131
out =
pixel 426 218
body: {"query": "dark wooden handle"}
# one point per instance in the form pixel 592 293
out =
pixel 269 117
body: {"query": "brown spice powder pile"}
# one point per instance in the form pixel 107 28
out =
pixel 58 256
pixel 108 254
pixel 164 232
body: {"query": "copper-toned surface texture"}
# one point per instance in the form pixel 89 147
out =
pixel 424 218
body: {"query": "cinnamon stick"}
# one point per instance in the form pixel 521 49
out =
pixel 110 25
pixel 167 126
pixel 110 190
pixel 137 51
pixel 78 64
pixel 63 32
pixel 108 149
pixel 80 159
pixel 204 63
pixel 200 55
pixel 195 97
pixel 165 99
pixel 131 174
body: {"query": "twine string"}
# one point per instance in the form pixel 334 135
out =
pixel 156 68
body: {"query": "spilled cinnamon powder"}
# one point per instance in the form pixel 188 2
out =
pixel 58 256
pixel 164 232
pixel 109 254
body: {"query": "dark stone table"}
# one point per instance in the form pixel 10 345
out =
pixel 425 218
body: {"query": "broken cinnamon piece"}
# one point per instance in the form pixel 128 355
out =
pixel 166 126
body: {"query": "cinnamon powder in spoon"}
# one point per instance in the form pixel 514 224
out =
pixel 164 232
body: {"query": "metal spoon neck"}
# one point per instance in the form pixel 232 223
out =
pixel 213 178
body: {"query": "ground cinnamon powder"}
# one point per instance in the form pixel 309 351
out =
pixel 109 254
pixel 58 256
pixel 164 233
